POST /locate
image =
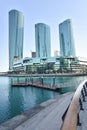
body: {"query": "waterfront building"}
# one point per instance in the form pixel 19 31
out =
pixel 37 65
pixel 50 65
pixel 16 32
pixel 33 54
pixel 67 47
pixel 56 53
pixel 42 39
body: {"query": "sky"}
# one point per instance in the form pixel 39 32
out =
pixel 50 12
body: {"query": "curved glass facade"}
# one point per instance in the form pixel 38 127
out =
pixel 16 34
pixel 42 38
pixel 67 47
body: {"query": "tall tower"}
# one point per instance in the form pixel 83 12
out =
pixel 42 39
pixel 16 35
pixel 67 47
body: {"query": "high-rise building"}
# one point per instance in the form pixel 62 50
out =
pixel 42 39
pixel 33 54
pixel 67 47
pixel 16 34
pixel 56 53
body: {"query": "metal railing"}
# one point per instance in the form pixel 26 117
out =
pixel 71 116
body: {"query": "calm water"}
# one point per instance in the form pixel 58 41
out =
pixel 15 100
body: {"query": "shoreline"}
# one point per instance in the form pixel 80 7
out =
pixel 44 75
pixel 32 113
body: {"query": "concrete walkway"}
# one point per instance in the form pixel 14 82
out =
pixel 48 116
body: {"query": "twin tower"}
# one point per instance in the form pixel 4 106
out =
pixel 42 38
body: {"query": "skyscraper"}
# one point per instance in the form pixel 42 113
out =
pixel 67 47
pixel 42 39
pixel 16 32
pixel 33 54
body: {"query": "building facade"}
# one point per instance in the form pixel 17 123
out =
pixel 37 65
pixel 33 54
pixel 42 39
pixel 67 47
pixel 16 34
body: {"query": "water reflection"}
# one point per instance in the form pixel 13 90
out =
pixel 14 100
pixel 4 87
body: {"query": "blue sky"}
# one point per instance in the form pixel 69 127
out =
pixel 51 12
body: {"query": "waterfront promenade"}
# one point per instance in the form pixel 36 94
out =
pixel 67 112
pixel 49 114
pixel 83 117
pixel 44 75
pixel 76 115
pixel 46 116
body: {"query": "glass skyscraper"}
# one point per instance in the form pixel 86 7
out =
pixel 42 39
pixel 16 34
pixel 67 47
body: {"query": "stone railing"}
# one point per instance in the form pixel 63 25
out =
pixel 71 116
